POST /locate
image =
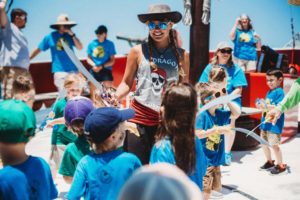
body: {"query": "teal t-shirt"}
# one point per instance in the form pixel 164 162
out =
pixel 60 60
pixel 101 52
pixel 60 133
pixel 102 176
pixel 162 151
pixel 273 97
pixel 72 155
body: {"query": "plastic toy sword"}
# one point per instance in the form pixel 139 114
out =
pixel 253 135
pixel 218 101
pixel 84 71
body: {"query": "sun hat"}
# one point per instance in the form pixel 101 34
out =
pixel 102 122
pixel 160 12
pixel 17 121
pixel 223 45
pixel 63 19
pixel 77 108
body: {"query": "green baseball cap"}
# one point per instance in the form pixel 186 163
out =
pixel 17 121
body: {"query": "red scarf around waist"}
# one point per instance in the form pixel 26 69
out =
pixel 144 115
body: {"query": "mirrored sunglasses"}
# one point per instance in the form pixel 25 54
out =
pixel 23 17
pixel 228 51
pixel 160 25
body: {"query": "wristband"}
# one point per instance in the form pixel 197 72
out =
pixel 73 35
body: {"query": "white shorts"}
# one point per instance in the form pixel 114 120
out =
pixel 59 79
pixel 246 65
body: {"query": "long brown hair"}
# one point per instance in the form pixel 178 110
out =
pixel 178 122
pixel 179 55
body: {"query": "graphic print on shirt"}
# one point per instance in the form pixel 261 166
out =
pixel 98 52
pixel 244 37
pixel 213 142
pixel 59 46
pixel 158 78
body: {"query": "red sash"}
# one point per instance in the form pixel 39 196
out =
pixel 144 115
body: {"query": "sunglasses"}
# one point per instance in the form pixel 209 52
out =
pixel 228 51
pixel 23 17
pixel 218 94
pixel 160 25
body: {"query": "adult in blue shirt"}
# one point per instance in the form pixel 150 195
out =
pixel 61 63
pixel 236 80
pixel 245 40
pixel 101 56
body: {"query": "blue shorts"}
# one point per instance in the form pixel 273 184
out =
pixel 103 75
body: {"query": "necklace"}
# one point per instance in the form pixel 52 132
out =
pixel 162 51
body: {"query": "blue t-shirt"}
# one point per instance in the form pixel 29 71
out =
pixel 13 184
pixel 213 145
pixel 162 152
pixel 60 60
pixel 39 177
pixel 235 78
pixel 100 52
pixel 101 176
pixel 274 97
pixel 245 45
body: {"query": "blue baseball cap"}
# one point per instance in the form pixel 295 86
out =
pixel 77 108
pixel 102 122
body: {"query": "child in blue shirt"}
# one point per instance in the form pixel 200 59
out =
pixel 176 142
pixel 270 132
pixel 102 174
pixel 211 126
pixel 11 189
pixel 16 127
pixel 236 81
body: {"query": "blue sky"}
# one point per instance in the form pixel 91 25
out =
pixel 271 20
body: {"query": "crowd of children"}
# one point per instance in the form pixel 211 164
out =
pixel 87 140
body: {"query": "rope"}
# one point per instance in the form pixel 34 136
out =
pixel 293 34
pixel 187 17
pixel 206 12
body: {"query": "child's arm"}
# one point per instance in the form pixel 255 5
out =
pixel 56 121
pixel 78 187
pixel 234 109
pixel 200 133
pixel 68 179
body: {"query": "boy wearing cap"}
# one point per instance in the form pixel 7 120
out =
pixel 101 174
pixel 61 63
pixel 75 113
pixel 61 136
pixel 101 56
pixel 17 125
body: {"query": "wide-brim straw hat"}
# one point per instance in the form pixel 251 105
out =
pixel 160 12
pixel 63 19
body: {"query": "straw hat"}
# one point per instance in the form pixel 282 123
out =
pixel 160 12
pixel 63 19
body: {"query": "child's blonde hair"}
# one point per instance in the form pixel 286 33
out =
pixel 23 89
pixel 73 78
pixel 204 90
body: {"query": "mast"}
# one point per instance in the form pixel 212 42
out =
pixel 199 42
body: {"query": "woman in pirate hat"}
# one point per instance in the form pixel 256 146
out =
pixel 153 64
